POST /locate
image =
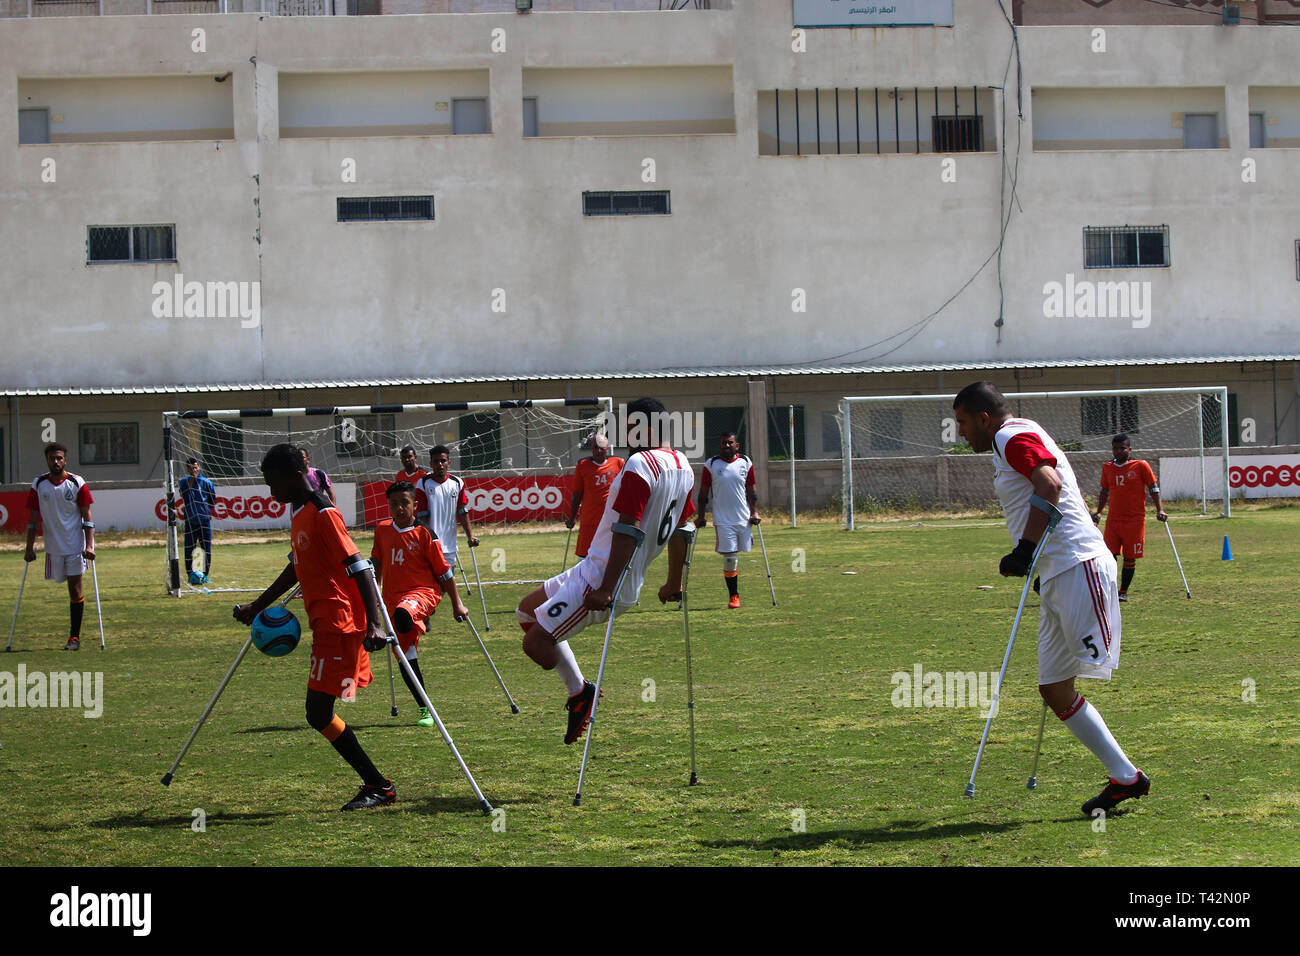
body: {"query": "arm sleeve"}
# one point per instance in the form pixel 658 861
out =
pixel 688 509
pixel 332 536
pixel 375 549
pixel 84 498
pixel 1025 452
pixel 33 502
pixel 706 478
pixel 211 489
pixel 1149 476
pixel 441 569
pixel 633 495
pixel 1105 477
pixel 750 480
pixel 462 501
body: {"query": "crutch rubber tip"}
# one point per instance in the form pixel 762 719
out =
pixel 167 780
pixel 694 780
pixel 485 806
pixel 487 627
pixel 577 800
pixel 514 708
pixel 394 711
pixel 970 789
pixel 1032 784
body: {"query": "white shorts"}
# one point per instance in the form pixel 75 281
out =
pixel 562 614
pixel 734 537
pixel 1079 625
pixel 60 567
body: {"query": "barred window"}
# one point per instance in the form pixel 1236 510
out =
pixel 112 443
pixel 1125 247
pixel 131 243
pixel 650 202
pixel 385 209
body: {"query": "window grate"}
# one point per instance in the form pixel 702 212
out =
pixel 131 243
pixel 1125 247
pixel 957 134
pixel 653 202
pixel 385 209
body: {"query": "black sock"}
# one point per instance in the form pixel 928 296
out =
pixel 207 561
pixel 349 749
pixel 1126 578
pixel 75 611
pixel 415 666
pixel 733 585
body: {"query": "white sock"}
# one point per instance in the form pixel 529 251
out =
pixel 1086 724
pixel 568 668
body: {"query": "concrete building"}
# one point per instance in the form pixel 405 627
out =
pixel 453 200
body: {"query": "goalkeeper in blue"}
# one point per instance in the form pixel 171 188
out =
pixel 1079 624
pixel 199 498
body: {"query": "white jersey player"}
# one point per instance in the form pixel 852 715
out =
pixel 652 493
pixel 62 501
pixel 730 476
pixel 1079 624
pixel 445 503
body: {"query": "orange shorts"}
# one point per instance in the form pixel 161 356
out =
pixel 420 603
pixel 339 664
pixel 585 533
pixel 1127 537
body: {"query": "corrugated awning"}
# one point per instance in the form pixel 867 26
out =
pixel 662 373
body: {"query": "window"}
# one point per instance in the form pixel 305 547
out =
pixel 363 436
pixel 385 208
pixel 727 418
pixel 131 243
pixel 1125 247
pixel 650 202
pixel 778 433
pixel 470 115
pixel 116 443
pixel 221 449
pixel 1109 416
pixel 530 116
pixel 480 442
pixel 957 134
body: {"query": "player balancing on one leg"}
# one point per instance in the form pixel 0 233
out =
pixel 62 500
pixel 1079 623
pixel 342 607
pixel 413 572
pixel 199 497
pixel 652 493
pixel 735 508
pixel 592 480
pixel 1125 482
pixel 447 503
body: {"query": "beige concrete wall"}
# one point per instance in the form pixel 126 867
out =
pixel 132 109
pixel 407 103
pixel 632 101
pixel 1133 12
pixel 1281 108
pixel 1093 118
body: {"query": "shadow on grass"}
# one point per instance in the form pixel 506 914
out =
pixel 294 728
pixel 140 821
pixel 896 832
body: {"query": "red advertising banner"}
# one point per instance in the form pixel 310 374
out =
pixel 13 511
pixel 492 500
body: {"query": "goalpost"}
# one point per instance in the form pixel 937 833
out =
pixel 515 457
pixel 904 452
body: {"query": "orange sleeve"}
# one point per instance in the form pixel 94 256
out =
pixel 331 536
pixel 440 566
pixel 1106 472
pixel 1150 476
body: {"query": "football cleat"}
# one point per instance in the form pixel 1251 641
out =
pixel 735 601
pixel 579 708
pixel 426 717
pixel 368 797
pixel 1123 595
pixel 74 644
pixel 1114 792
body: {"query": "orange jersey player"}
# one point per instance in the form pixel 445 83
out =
pixel 343 610
pixel 409 562
pixel 591 483
pixel 413 473
pixel 1125 482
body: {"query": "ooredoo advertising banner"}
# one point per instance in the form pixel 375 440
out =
pixel 238 507
pixel 1249 476
pixel 531 498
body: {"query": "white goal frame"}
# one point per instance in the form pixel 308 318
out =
pixel 327 411
pixel 1219 392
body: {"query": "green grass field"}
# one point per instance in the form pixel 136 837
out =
pixel 802 756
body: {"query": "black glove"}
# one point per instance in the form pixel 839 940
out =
pixel 1016 564
pixel 372 643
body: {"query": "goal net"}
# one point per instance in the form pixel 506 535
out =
pixel 516 457
pixel 903 452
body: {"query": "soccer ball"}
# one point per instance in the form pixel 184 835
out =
pixel 276 631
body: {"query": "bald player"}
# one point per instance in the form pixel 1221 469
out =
pixel 591 483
